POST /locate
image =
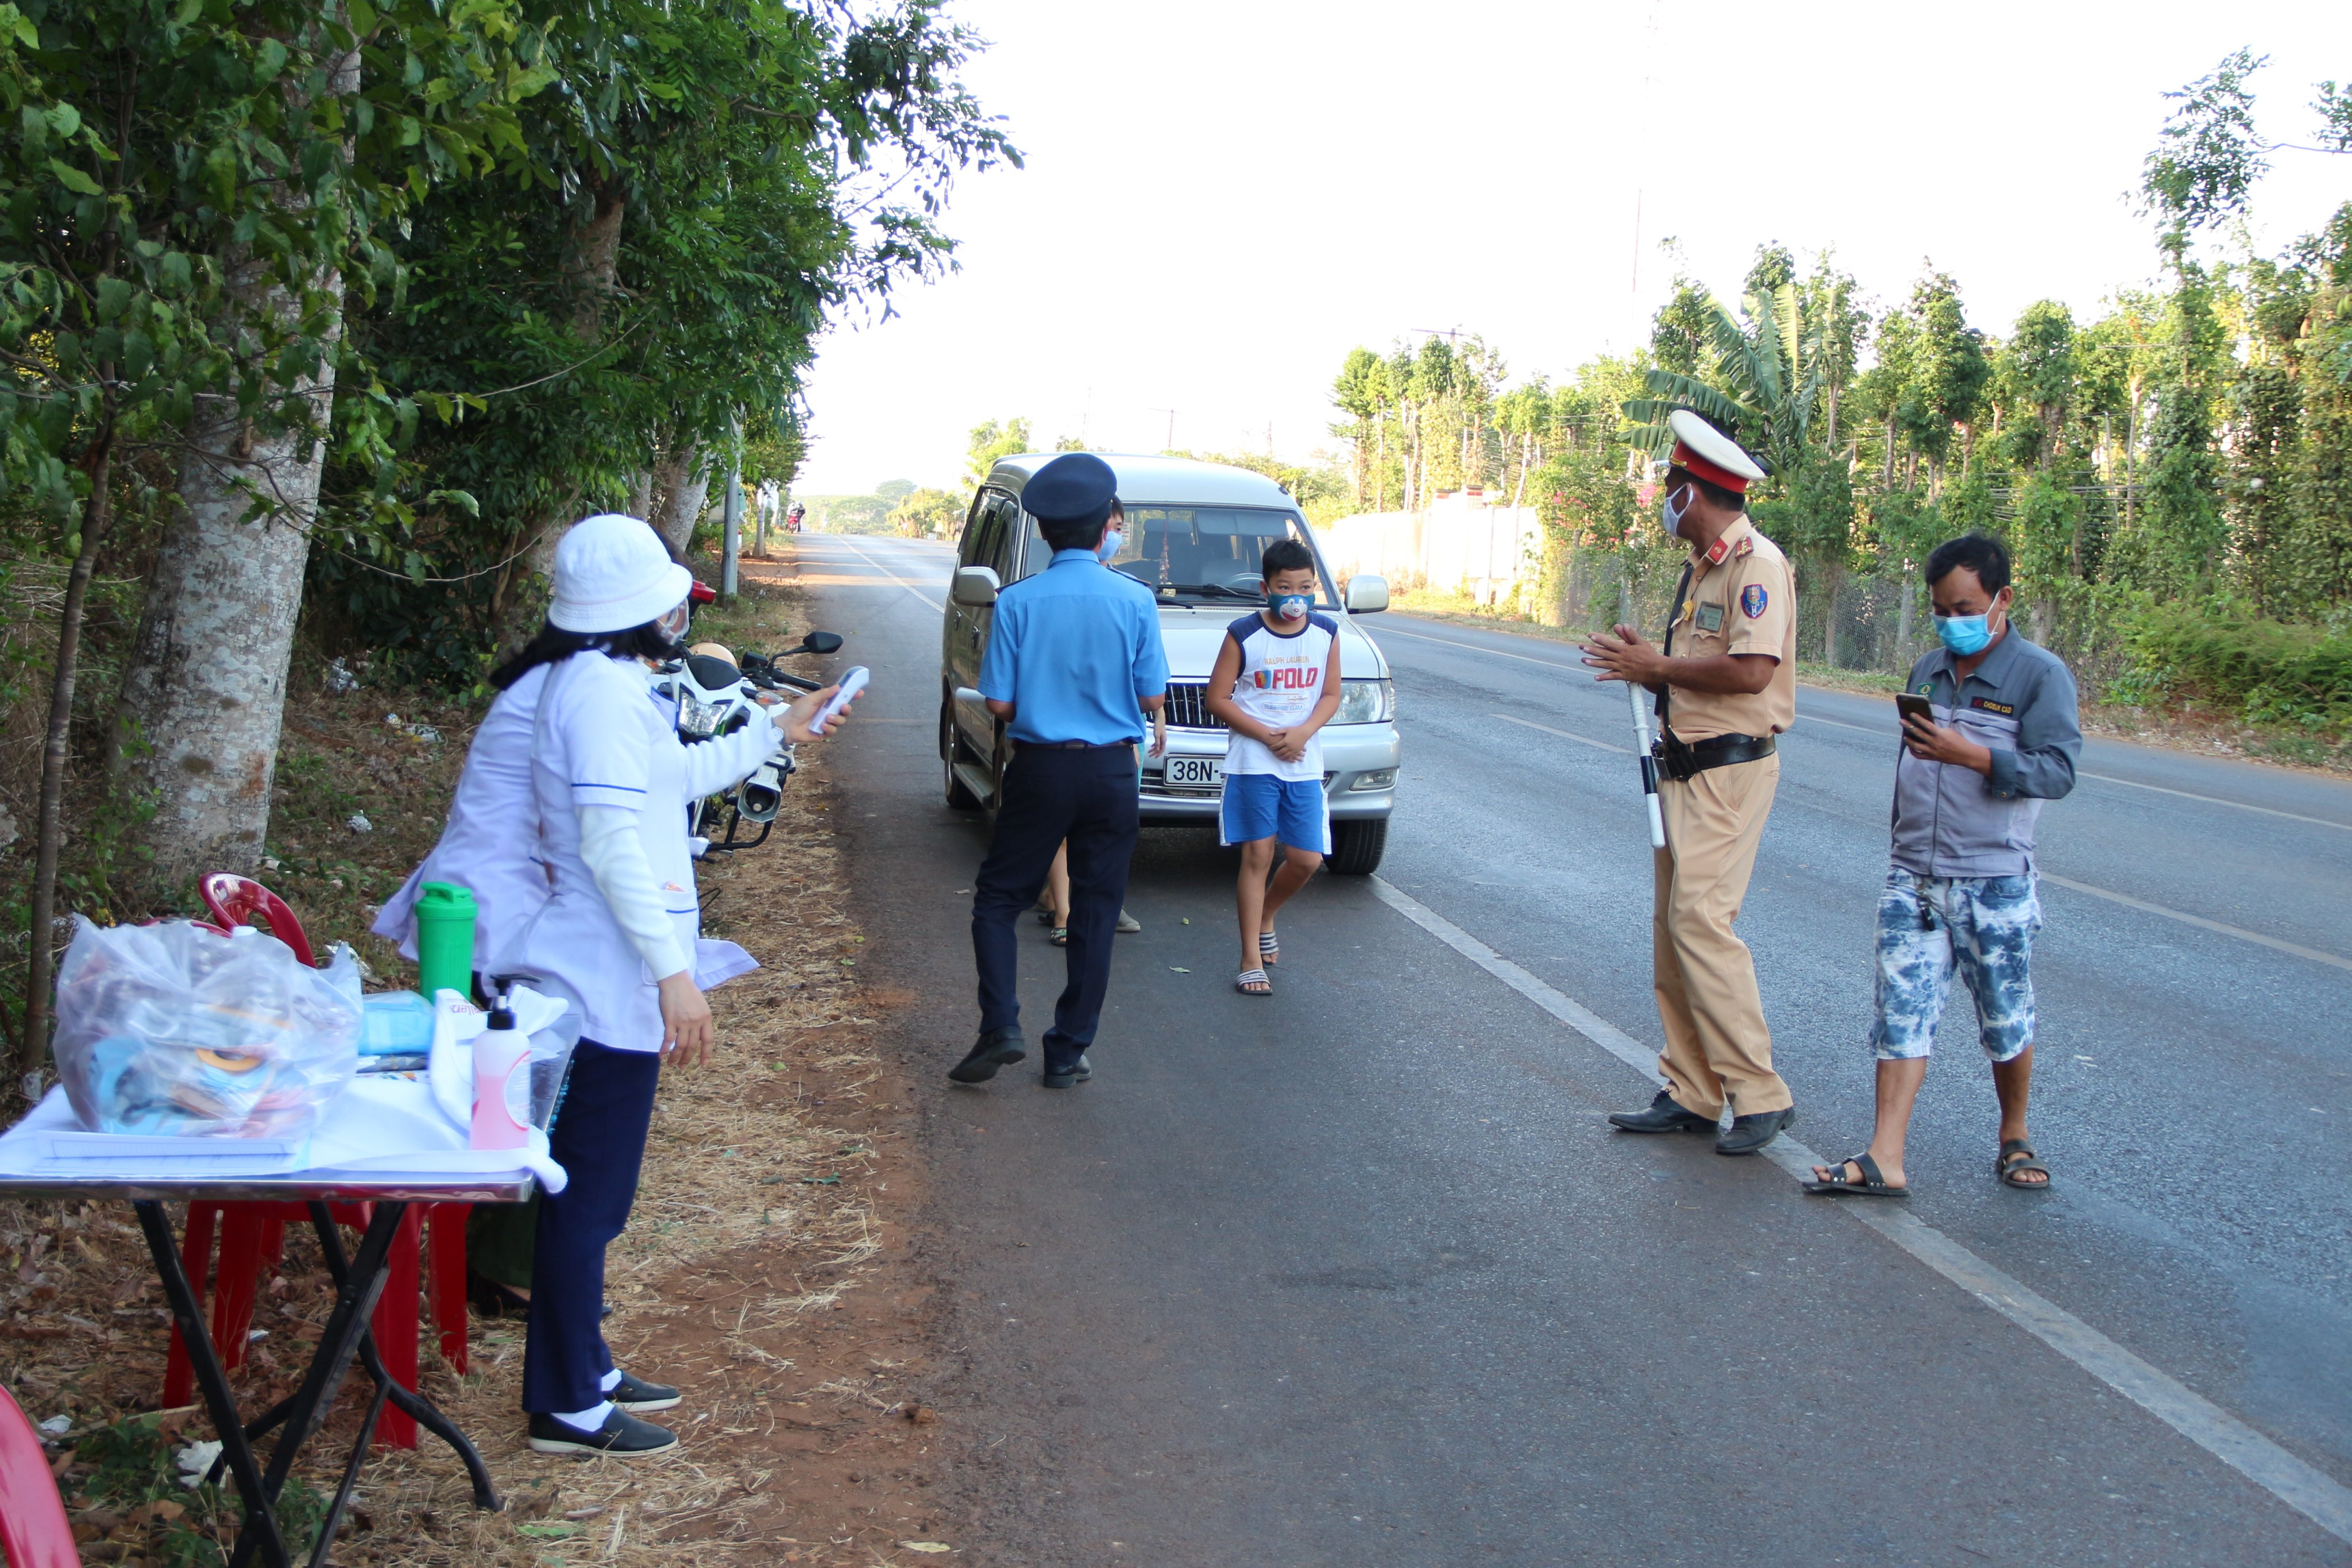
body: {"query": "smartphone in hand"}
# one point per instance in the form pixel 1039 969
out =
pixel 1908 706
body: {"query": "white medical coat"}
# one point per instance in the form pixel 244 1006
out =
pixel 603 737
pixel 490 844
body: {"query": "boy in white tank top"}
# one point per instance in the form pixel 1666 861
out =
pixel 1275 684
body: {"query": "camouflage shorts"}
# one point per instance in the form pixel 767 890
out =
pixel 1929 926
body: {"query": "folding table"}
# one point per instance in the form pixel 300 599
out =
pixel 359 1280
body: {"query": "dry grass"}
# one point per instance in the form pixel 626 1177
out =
pixel 761 1270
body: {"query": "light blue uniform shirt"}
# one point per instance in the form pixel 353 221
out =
pixel 1076 648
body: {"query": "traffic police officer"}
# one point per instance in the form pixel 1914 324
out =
pixel 1726 684
pixel 1074 663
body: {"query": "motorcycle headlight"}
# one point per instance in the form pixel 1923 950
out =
pixel 696 720
pixel 1366 702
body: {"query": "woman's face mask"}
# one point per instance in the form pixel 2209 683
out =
pixel 673 624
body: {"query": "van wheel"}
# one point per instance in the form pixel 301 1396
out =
pixel 959 797
pixel 1356 845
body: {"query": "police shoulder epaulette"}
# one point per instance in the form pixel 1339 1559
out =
pixel 1747 546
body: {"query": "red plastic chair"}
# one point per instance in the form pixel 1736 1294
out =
pixel 234 900
pixel 34 1529
pixel 253 1243
pixel 253 1234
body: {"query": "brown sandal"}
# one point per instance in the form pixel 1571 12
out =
pixel 2017 1157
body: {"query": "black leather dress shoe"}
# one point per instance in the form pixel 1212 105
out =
pixel 1747 1134
pixel 623 1437
pixel 1663 1116
pixel 633 1392
pixel 1063 1077
pixel 997 1049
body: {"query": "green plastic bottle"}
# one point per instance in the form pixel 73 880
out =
pixel 445 939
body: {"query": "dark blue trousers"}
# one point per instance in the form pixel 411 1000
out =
pixel 1089 798
pixel 599 1142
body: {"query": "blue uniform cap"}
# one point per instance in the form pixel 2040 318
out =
pixel 1076 488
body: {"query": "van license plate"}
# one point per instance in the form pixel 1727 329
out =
pixel 1198 772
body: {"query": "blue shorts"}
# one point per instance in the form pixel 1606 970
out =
pixel 1929 926
pixel 1260 805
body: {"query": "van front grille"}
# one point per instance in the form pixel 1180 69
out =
pixel 1188 706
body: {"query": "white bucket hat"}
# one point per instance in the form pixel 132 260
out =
pixel 612 572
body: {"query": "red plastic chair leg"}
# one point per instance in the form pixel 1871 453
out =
pixel 196 1261
pixel 445 1279
pixel 395 1327
pixel 245 1241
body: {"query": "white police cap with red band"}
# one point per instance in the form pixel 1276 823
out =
pixel 1708 453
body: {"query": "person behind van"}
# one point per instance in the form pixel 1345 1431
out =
pixel 1275 684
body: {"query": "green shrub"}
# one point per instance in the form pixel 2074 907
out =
pixel 2272 672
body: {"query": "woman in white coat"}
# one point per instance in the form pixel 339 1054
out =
pixel 616 935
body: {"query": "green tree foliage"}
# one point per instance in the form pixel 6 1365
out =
pixel 993 443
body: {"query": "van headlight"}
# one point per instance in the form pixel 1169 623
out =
pixel 1366 702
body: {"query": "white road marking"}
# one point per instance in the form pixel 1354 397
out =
pixel 2308 1491
pixel 1890 732
pixel 2197 921
pixel 1580 740
pixel 859 550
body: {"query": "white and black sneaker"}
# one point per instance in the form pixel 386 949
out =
pixel 623 1437
pixel 633 1392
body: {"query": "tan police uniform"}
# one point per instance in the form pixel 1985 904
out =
pixel 1741 598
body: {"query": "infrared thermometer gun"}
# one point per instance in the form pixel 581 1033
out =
pixel 851 684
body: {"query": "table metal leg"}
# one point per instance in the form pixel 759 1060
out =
pixel 257 1498
pixel 334 1519
pixel 346 1327
pixel 419 1409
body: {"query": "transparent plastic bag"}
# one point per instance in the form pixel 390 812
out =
pixel 175 1030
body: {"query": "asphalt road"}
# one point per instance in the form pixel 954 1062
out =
pixel 1359 1275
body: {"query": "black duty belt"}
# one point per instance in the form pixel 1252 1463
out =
pixel 1679 759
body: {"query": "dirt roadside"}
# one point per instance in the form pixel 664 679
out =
pixel 771 1268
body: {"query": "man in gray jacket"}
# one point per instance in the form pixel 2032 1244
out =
pixel 1968 788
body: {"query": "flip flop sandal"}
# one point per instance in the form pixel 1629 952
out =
pixel 1269 949
pixel 1059 936
pixel 1254 983
pixel 2017 1157
pixel 1838 1185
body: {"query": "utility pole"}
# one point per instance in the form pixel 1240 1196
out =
pixel 731 535
pixel 1171 427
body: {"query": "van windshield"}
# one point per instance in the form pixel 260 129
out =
pixel 1201 552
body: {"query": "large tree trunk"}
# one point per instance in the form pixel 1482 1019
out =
pixel 591 272
pixel 205 688
pixel 683 483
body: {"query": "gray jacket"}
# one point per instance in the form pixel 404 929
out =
pixel 2019 704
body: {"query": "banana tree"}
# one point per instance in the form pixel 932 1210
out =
pixel 1766 376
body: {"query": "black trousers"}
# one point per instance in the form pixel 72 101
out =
pixel 599 1142
pixel 1089 798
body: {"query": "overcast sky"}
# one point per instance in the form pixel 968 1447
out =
pixel 1223 198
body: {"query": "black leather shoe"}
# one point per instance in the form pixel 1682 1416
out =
pixel 621 1436
pixel 997 1049
pixel 1749 1133
pixel 1063 1077
pixel 1663 1116
pixel 633 1392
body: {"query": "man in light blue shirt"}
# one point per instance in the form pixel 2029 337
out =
pixel 1074 664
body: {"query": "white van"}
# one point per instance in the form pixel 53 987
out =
pixel 1194 534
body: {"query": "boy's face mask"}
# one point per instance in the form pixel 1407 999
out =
pixel 1113 540
pixel 1291 606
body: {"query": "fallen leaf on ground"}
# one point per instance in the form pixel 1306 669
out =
pixel 927 1546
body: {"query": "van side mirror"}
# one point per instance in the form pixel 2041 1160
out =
pixel 1367 593
pixel 975 587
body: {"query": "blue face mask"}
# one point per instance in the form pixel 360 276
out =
pixel 1291 606
pixel 1111 544
pixel 1964 635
